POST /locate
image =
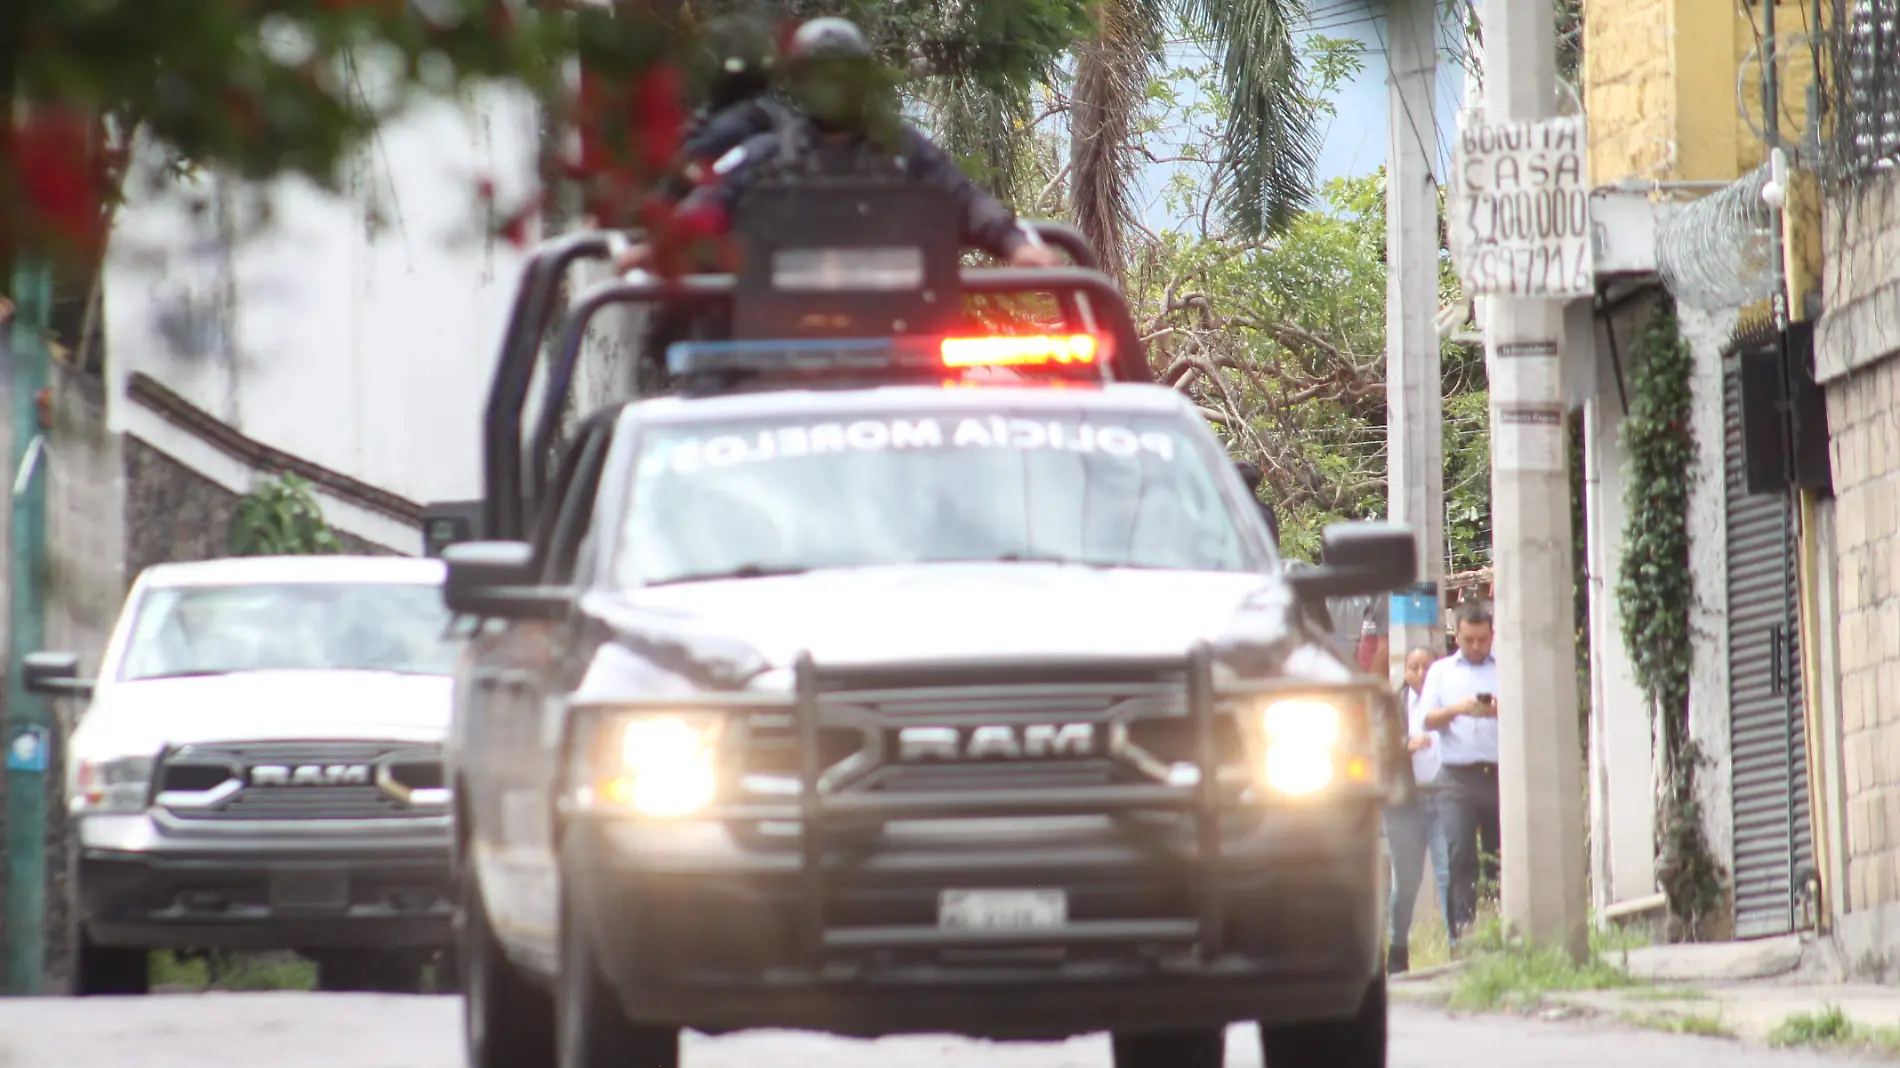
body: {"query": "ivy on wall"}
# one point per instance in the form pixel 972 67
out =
pixel 1655 593
pixel 281 517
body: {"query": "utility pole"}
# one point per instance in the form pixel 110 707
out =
pixel 1415 435
pixel 28 737
pixel 1541 774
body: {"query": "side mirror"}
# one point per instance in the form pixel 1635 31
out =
pixel 496 580
pixel 53 675
pixel 1357 559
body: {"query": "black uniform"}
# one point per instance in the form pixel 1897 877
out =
pixel 719 131
pixel 800 148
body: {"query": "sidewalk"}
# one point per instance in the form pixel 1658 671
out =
pixel 1773 989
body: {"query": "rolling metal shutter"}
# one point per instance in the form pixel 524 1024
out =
pixel 1767 726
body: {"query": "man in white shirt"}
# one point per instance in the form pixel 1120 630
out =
pixel 1460 703
pixel 1413 830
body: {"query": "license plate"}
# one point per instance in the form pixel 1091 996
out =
pixel 1002 910
pixel 315 889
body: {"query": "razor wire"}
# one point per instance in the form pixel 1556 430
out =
pixel 1717 252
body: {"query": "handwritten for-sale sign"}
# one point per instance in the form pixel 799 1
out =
pixel 1520 223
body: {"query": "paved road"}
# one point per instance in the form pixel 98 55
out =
pixel 363 1031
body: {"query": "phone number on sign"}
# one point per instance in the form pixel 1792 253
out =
pixel 1531 272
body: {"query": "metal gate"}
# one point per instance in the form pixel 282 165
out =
pixel 1768 725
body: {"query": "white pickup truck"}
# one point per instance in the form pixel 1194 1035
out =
pixel 260 768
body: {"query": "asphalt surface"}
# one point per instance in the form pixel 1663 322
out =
pixel 368 1031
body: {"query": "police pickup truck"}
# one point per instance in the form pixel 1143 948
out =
pixel 924 682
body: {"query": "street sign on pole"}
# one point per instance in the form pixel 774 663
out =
pixel 27 725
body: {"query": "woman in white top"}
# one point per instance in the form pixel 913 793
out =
pixel 1413 830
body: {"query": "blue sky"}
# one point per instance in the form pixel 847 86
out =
pixel 1355 141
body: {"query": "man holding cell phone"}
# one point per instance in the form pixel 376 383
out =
pixel 1461 711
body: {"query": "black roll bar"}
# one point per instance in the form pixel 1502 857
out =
pixel 514 370
pixel 1068 239
pixel 503 515
pixel 1107 304
pixel 1130 361
pixel 685 289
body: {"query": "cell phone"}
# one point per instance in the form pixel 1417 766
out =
pixel 1484 698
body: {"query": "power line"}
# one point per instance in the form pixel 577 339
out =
pixel 1405 105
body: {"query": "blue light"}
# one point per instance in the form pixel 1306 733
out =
pixel 802 354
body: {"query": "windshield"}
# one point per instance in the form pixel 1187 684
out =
pixel 782 496
pixel 292 626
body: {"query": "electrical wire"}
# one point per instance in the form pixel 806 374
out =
pixel 1405 105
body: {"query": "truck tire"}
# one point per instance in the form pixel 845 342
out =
pixel 1202 1048
pixel 507 1021
pixel 593 1031
pixel 1357 1042
pixel 106 970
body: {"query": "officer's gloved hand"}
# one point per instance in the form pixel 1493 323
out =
pixel 1030 254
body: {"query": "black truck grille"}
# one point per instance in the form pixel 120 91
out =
pixel 1146 712
pixel 298 780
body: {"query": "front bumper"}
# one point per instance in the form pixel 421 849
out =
pixel 142 881
pixel 1187 905
pixel 699 928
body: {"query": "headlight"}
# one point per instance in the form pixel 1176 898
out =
pixel 666 765
pixel 121 784
pixel 1302 745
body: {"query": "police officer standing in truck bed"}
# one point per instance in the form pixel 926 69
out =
pixel 849 126
pixel 741 102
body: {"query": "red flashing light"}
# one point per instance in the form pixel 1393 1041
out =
pixel 1007 350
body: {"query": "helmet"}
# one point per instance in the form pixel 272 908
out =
pixel 742 55
pixel 833 72
pixel 829 38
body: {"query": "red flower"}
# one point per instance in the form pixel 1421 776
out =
pixel 658 114
pixel 59 177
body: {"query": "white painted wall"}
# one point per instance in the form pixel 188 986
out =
pixel 366 351
pixel 1706 333
pixel 1622 781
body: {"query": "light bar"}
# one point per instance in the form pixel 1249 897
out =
pixel 1005 350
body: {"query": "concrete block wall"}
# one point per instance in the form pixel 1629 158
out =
pixel 1857 361
pixel 173 513
pixel 85 586
pixel 1864 415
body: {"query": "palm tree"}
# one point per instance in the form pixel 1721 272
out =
pixel 1271 137
pixel 984 64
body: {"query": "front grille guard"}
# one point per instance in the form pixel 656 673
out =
pixel 819 802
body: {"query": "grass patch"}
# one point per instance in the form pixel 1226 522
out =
pixel 1694 1023
pixel 232 971
pixel 1499 974
pixel 1832 1028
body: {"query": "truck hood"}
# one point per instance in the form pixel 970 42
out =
pixel 962 611
pixel 147 715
